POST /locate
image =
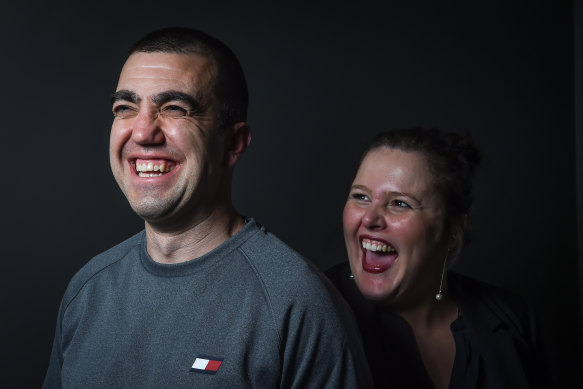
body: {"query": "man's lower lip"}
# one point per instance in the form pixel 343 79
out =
pixel 150 176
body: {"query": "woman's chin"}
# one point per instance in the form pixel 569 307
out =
pixel 374 288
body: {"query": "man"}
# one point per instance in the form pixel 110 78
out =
pixel 203 297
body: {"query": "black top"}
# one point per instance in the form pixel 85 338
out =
pixel 404 368
pixel 496 345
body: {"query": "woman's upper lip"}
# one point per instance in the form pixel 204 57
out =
pixel 376 242
pixel 361 237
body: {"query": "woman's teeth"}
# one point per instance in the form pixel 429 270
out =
pixel 377 246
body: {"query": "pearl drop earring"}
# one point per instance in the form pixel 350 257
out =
pixel 439 294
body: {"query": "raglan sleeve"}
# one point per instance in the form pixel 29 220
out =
pixel 53 375
pixel 323 347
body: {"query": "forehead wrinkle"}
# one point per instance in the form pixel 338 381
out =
pixel 192 73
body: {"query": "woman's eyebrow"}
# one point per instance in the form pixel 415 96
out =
pixel 387 193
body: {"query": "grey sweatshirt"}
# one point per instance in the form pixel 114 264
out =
pixel 251 313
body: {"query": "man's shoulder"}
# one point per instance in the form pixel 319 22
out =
pixel 315 324
pixel 264 245
pixel 276 261
pixel 287 276
pixel 103 261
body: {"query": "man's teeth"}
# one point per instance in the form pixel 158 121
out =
pixel 149 174
pixel 377 246
pixel 145 168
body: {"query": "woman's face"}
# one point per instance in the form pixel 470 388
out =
pixel 393 227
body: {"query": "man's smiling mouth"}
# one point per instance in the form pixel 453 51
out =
pixel 153 168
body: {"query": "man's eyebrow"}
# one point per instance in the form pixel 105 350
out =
pixel 125 95
pixel 185 98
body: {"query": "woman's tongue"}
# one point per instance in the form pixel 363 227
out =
pixel 377 261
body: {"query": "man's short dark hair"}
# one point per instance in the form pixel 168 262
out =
pixel 230 87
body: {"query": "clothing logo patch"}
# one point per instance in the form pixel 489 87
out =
pixel 206 364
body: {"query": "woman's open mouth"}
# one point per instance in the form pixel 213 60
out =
pixel 377 256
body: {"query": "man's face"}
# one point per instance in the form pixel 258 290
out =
pixel 166 152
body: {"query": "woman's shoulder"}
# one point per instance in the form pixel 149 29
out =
pixel 505 328
pixel 482 302
pixel 467 288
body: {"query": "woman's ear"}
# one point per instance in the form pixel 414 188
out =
pixel 458 231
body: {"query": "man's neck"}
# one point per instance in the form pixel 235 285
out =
pixel 182 245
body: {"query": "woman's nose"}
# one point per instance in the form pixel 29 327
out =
pixel 374 218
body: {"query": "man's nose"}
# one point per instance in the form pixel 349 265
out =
pixel 374 218
pixel 146 129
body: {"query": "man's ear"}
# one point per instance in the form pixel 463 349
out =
pixel 238 140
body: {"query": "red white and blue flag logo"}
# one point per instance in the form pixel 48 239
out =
pixel 206 364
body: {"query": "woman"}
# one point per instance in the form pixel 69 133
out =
pixel 405 222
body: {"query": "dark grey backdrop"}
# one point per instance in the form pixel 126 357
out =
pixel 323 79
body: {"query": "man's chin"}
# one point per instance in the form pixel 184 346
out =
pixel 153 211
